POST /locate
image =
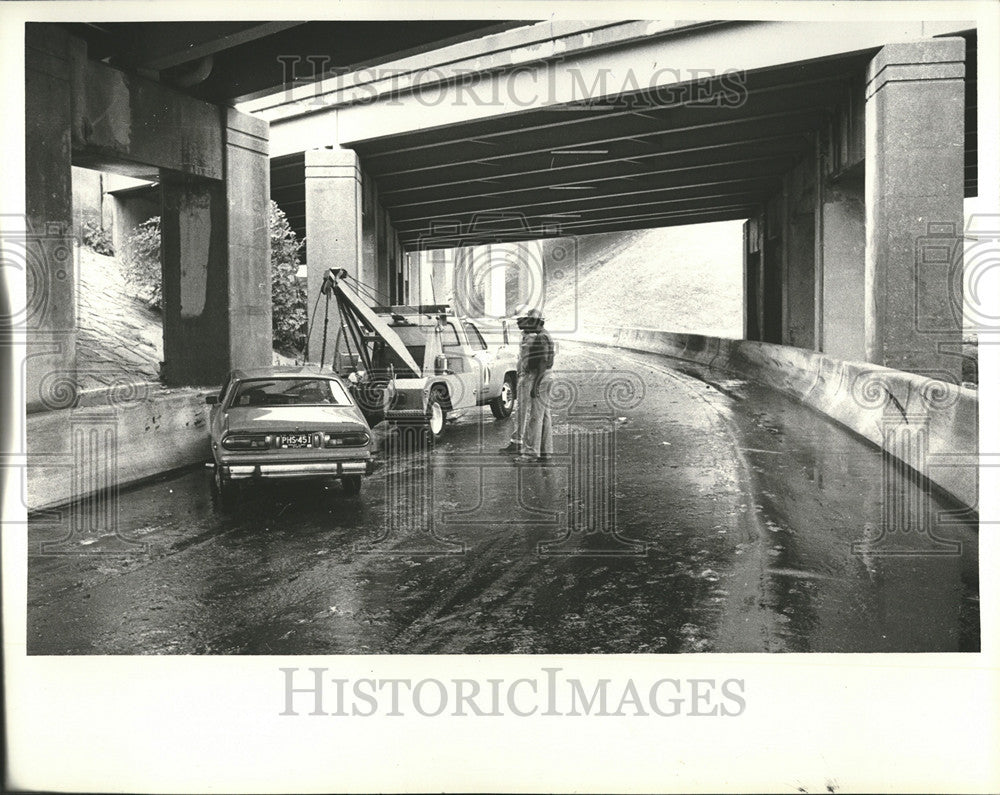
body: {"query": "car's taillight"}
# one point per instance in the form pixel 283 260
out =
pixel 357 439
pixel 243 442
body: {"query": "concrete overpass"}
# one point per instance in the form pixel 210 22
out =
pixel 155 100
pixel 570 128
pixel 848 148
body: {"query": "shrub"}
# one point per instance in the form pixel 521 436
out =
pixel 288 296
pixel 140 261
pixel 98 239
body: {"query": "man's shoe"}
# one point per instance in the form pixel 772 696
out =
pixel 513 447
pixel 526 459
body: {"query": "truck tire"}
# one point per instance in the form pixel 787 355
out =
pixel 503 405
pixel 436 412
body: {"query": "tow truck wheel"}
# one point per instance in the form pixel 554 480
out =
pixel 503 405
pixel 351 484
pixel 435 414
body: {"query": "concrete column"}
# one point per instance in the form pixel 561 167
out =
pixel 45 244
pixel 843 246
pixel 333 229
pixel 462 284
pixel 193 252
pixel 418 277
pixel 798 253
pixel 914 149
pixel 440 264
pixel 494 278
pixel 248 190
pixel 531 276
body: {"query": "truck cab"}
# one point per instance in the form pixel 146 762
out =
pixel 459 370
pixel 416 365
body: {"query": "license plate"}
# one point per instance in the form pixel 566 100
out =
pixel 294 440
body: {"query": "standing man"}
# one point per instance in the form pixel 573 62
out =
pixel 537 442
pixel 528 331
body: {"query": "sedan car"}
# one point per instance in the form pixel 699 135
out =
pixel 287 422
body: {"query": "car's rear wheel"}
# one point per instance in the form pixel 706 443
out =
pixel 226 492
pixel 351 484
pixel 503 405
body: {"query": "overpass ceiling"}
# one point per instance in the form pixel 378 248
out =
pixel 248 58
pixel 635 162
pixel 630 164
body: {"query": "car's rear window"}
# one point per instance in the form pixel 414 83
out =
pixel 289 392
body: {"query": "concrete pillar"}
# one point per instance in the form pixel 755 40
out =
pixel 493 274
pixel 333 230
pixel 193 252
pixel 45 245
pixel 462 285
pixel 248 190
pixel 215 251
pixel 798 252
pixel 440 263
pixel 418 278
pixel 753 277
pixel 914 150
pixel 843 247
pixel 531 275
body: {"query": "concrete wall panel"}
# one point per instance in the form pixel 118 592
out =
pixel 146 436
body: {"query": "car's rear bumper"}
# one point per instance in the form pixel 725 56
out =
pixel 297 470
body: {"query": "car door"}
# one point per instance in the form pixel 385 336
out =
pixel 489 385
pixel 466 368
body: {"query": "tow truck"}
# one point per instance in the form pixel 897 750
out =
pixel 416 365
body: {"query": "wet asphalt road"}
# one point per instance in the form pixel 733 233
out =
pixel 678 516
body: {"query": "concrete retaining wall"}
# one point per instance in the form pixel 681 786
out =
pixel 876 402
pixel 111 440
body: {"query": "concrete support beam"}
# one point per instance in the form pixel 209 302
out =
pixel 441 263
pixel 333 229
pixel 798 251
pixel 50 319
pixel 913 192
pixel 215 251
pixel 113 125
pixel 248 189
pixel 531 274
pixel 494 278
pixel 843 276
pixel 193 252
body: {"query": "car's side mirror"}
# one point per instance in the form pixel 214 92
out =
pixel 211 400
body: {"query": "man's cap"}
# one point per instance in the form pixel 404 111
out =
pixel 533 314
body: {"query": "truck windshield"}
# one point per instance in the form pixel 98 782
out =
pixel 418 335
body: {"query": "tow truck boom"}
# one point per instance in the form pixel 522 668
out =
pixel 355 315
